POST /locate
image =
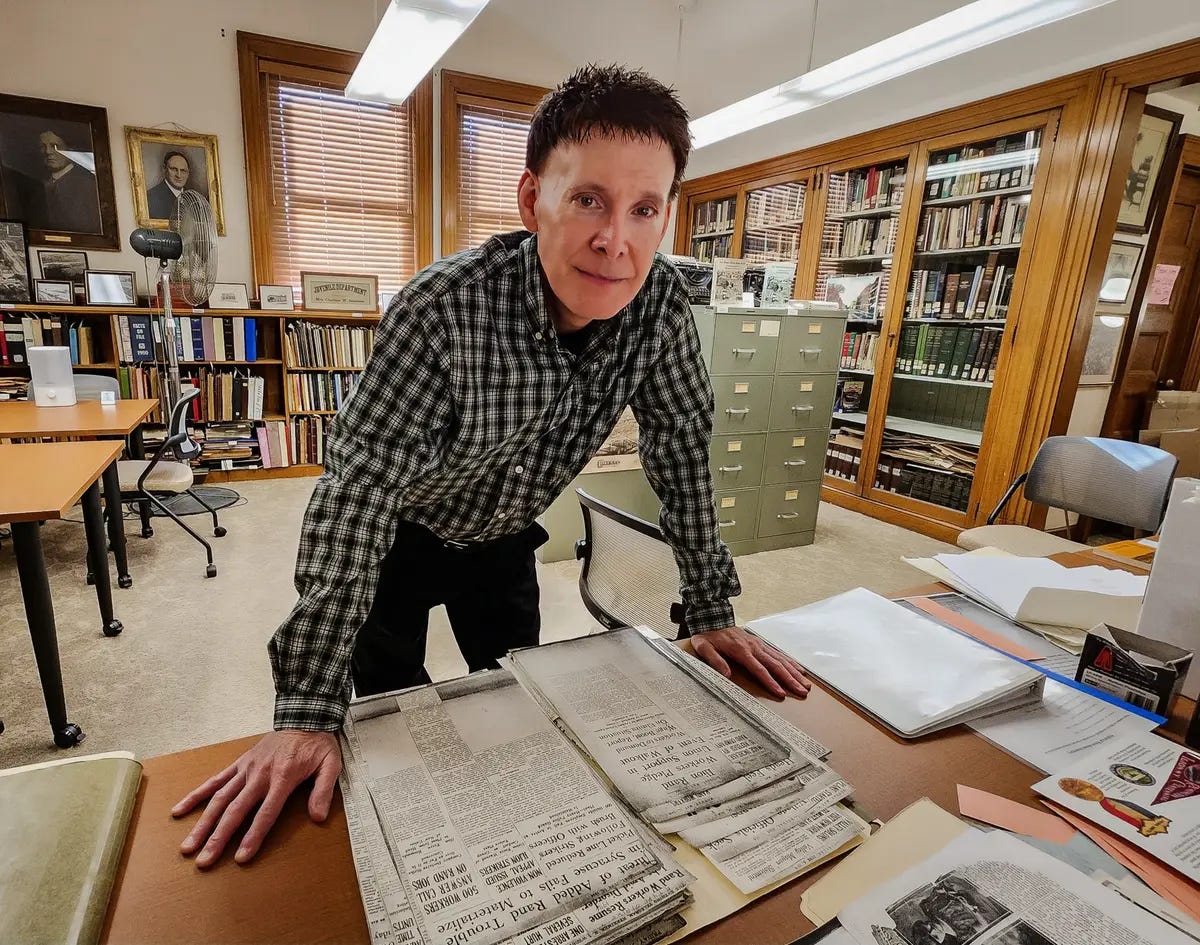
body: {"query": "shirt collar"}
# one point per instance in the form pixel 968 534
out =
pixel 533 287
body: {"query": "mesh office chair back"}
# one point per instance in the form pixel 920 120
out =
pixel 629 575
pixel 91 386
pixel 1111 480
pixel 185 447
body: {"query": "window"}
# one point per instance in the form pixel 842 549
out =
pixel 485 124
pixel 335 184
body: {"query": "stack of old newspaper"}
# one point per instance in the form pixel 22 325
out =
pixel 517 805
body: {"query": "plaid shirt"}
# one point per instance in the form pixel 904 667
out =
pixel 470 419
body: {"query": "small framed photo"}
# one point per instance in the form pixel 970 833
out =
pixel 1120 273
pixel 105 287
pixel 53 292
pixel 276 298
pixel 229 295
pixel 1103 349
pixel 340 292
pixel 64 265
pixel 14 262
pixel 1144 183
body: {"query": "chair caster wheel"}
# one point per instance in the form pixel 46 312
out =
pixel 114 628
pixel 147 532
pixel 91 579
pixel 124 581
pixel 69 736
pixel 210 571
pixel 219 531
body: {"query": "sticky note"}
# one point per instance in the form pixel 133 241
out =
pixel 749 328
pixel 769 329
pixel 799 440
pixel 791 494
pixel 814 328
pixel 733 446
pixel 728 502
pixel 806 385
pixel 741 387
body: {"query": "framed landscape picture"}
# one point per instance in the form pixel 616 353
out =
pixel 1120 273
pixel 64 265
pixel 53 292
pixel 1104 345
pixel 104 287
pixel 14 262
pixel 1145 181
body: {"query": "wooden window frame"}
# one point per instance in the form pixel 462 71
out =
pixel 458 89
pixel 255 50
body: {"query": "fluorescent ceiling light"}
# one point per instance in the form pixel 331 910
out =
pixel 412 36
pixel 969 27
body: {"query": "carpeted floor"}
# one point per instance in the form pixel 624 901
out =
pixel 191 667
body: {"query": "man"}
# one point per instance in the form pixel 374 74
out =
pixel 162 198
pixel 69 199
pixel 495 376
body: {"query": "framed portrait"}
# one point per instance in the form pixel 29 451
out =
pixel 64 265
pixel 229 295
pixel 14 262
pixel 1104 346
pixel 104 287
pixel 1144 182
pixel 163 164
pixel 1120 273
pixel 53 292
pixel 56 172
pixel 340 292
pixel 276 298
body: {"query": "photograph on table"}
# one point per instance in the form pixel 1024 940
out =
pixel 64 265
pixel 53 292
pixel 1104 346
pixel 103 287
pixel 14 262
pixel 950 910
pixel 1120 274
pixel 163 164
pixel 56 172
pixel 1145 182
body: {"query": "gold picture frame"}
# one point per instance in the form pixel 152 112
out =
pixel 152 192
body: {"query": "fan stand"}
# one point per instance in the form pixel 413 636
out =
pixel 169 392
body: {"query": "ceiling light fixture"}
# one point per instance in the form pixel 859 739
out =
pixel 969 27
pixel 410 39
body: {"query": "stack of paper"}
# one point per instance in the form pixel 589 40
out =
pixel 911 673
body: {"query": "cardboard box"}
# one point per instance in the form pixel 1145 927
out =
pixel 1175 410
pixel 1143 672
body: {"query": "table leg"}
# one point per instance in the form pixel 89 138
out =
pixel 137 449
pixel 39 612
pixel 93 521
pixel 116 523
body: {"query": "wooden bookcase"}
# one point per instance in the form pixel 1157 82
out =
pixel 272 365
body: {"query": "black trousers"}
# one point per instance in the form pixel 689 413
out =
pixel 490 591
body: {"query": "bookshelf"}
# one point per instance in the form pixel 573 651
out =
pixel 773 222
pixel 712 227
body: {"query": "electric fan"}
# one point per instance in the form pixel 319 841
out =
pixel 195 271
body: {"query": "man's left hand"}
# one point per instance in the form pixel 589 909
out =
pixel 779 674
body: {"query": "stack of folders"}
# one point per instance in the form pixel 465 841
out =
pixel 911 673
pixel 519 805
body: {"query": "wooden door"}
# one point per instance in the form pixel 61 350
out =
pixel 1165 333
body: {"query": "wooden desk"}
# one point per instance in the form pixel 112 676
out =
pixel 88 418
pixel 39 482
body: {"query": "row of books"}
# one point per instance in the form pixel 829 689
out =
pixel 706 251
pixel 306 439
pixel 981 291
pixel 229 445
pixel 198 338
pixel 140 383
pixel 903 477
pixel 964 352
pixel 874 188
pixel 22 331
pixel 948 405
pixel 868 236
pixel 327 391
pixel 858 350
pixel 776 205
pixel 311 345
pixel 714 216
pixel 844 455
pixel 225 395
pixel 999 221
pixel 1017 174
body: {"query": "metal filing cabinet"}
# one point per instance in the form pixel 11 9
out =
pixel 774 372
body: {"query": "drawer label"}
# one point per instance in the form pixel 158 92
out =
pixel 799 440
pixel 769 329
pixel 806 386
pixel 741 387
pixel 733 446
pixel 728 502
pixel 749 328
pixel 791 494
pixel 814 328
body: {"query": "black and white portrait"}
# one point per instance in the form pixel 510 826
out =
pixel 165 164
pixel 14 262
pixel 951 911
pixel 55 171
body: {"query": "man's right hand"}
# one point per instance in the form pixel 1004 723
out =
pixel 266 775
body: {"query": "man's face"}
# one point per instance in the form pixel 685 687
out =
pixel 600 210
pixel 177 171
pixel 51 144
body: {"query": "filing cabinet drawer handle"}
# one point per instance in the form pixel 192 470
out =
pixel 738 352
pixel 726 469
pixel 806 408
pixel 788 515
pixel 795 462
pixel 728 524
pixel 810 352
pixel 739 411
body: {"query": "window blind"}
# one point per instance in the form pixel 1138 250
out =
pixel 491 158
pixel 341 183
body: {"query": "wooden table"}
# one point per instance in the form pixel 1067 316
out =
pixel 39 482
pixel 306 870
pixel 89 418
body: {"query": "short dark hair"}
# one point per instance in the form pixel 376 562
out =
pixel 171 154
pixel 609 101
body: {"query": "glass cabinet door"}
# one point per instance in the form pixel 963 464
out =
pixel 973 213
pixel 858 238
pixel 712 228
pixel 774 219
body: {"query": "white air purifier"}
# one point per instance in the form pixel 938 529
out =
pixel 50 375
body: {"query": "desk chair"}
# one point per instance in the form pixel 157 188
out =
pixel 1112 480
pixel 629 575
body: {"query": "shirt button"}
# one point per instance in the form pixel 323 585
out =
pixel 499 515
pixel 520 469
pixel 537 336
